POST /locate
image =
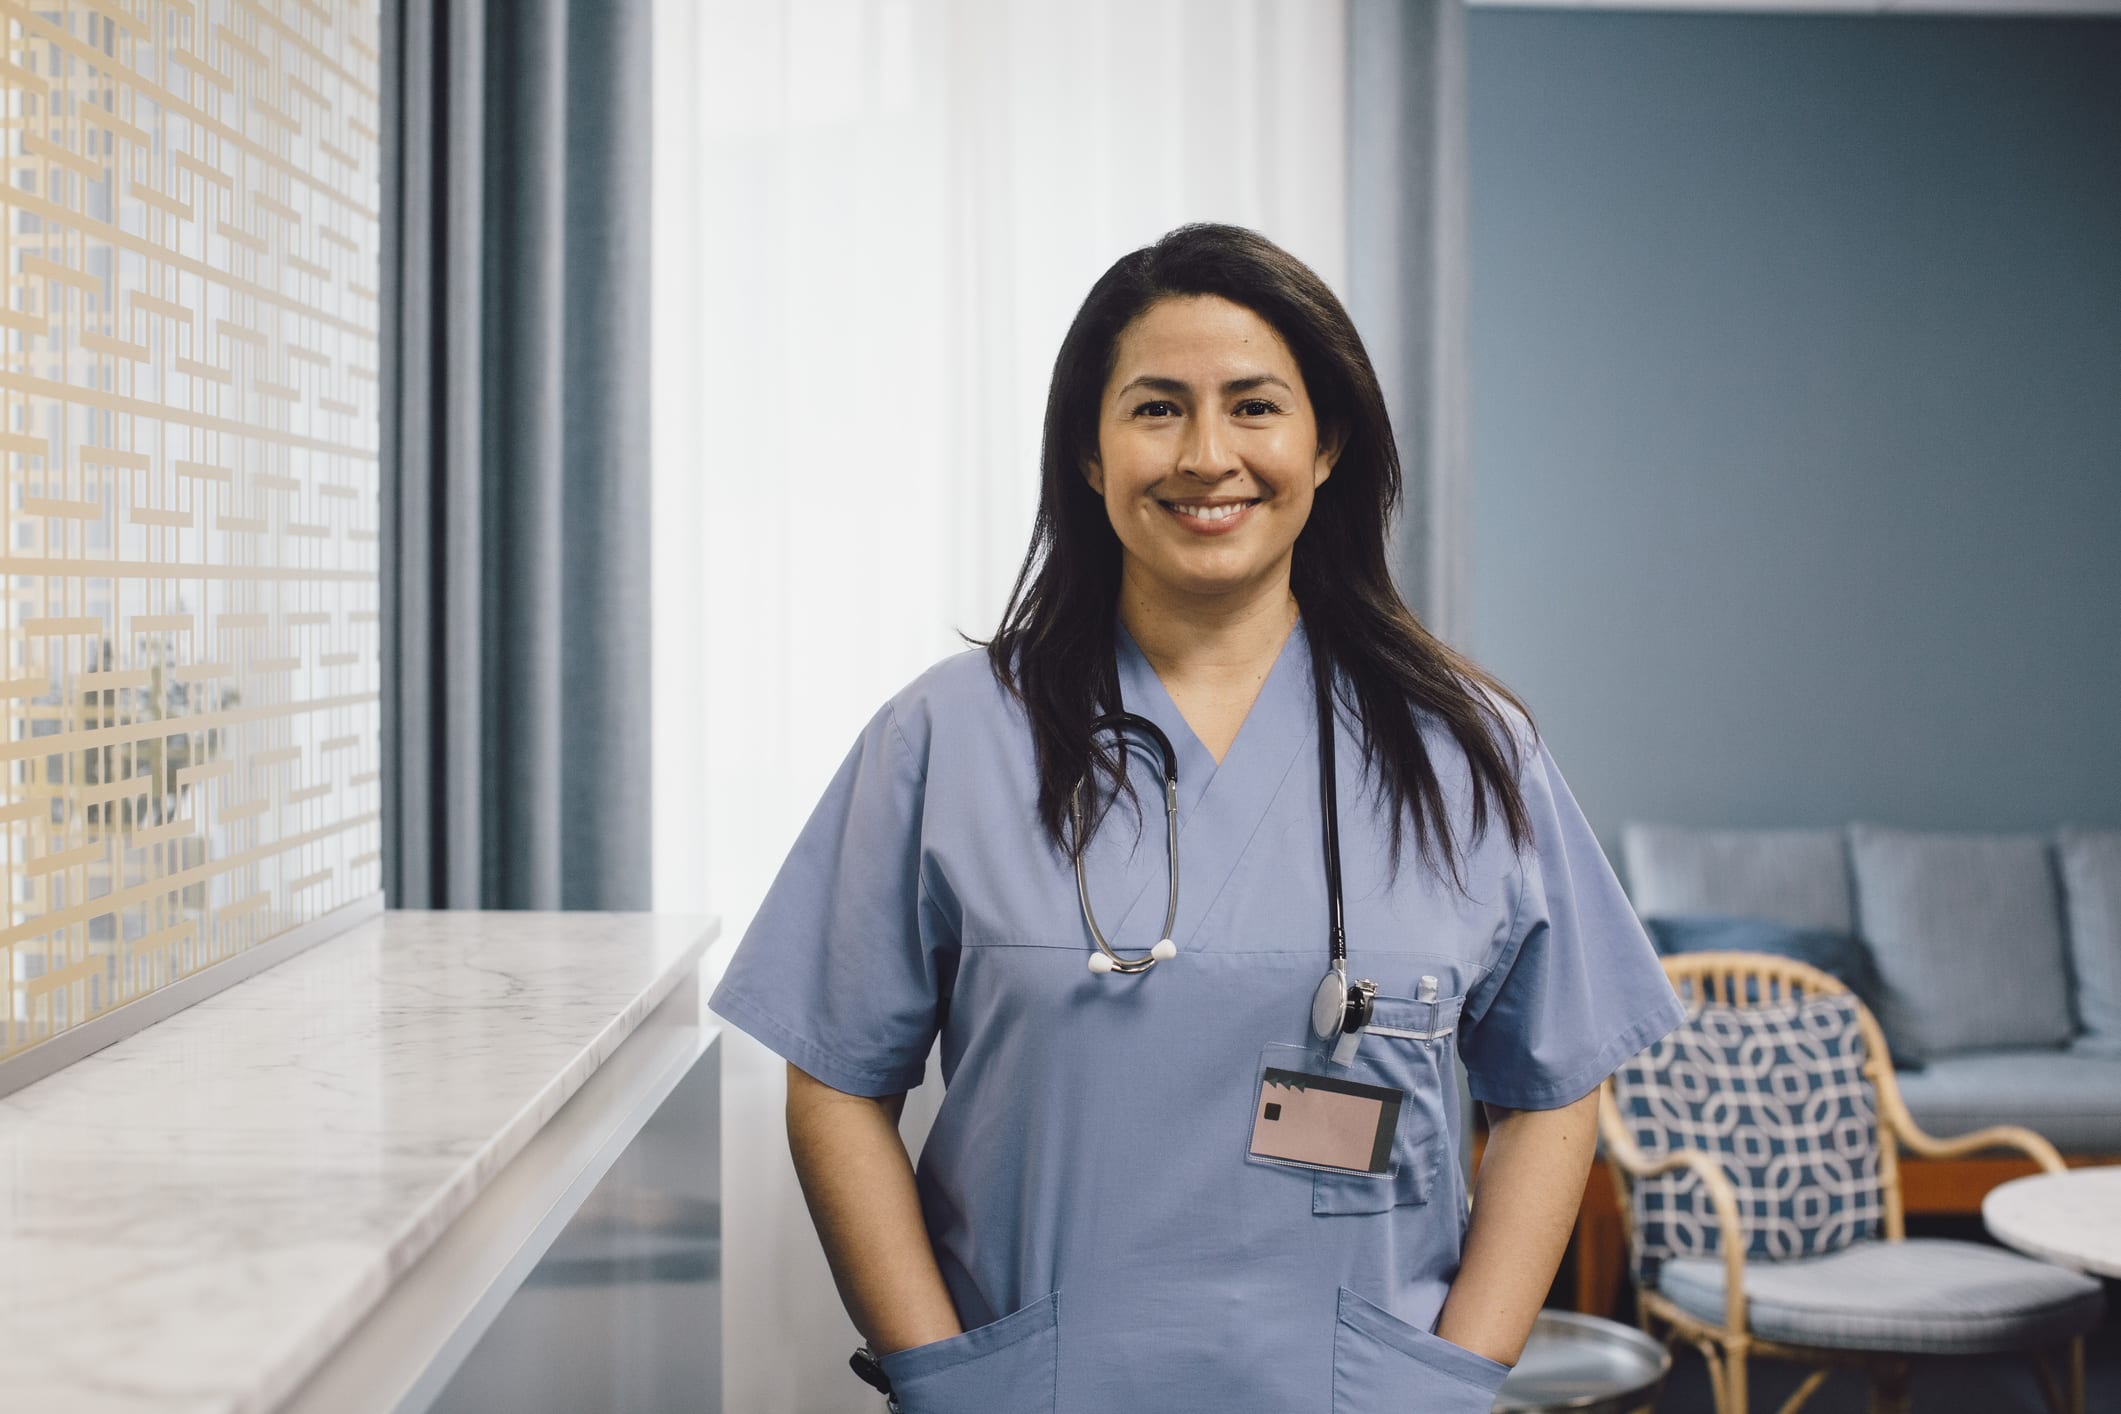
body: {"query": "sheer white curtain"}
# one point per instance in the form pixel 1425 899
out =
pixel 875 219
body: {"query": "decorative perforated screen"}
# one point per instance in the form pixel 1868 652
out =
pixel 189 431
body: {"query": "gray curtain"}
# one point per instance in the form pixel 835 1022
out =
pixel 1407 274
pixel 1407 277
pixel 515 454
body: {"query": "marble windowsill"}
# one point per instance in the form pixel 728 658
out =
pixel 195 1217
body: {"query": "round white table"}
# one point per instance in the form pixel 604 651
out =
pixel 2073 1218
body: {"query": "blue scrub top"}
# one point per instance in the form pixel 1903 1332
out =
pixel 1106 1242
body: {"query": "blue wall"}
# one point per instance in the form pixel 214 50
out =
pixel 1797 412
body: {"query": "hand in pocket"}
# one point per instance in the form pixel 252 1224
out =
pixel 1383 1365
pixel 1012 1365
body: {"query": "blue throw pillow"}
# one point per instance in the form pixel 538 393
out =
pixel 1839 955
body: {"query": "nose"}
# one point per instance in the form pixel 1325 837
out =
pixel 1206 453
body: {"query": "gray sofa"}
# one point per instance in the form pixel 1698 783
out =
pixel 1998 957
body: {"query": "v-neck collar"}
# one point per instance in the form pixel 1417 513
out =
pixel 1287 689
pixel 1220 807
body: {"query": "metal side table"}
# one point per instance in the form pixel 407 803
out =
pixel 1584 1365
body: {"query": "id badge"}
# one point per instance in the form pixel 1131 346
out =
pixel 1307 1116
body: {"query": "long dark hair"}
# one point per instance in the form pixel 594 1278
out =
pixel 1054 649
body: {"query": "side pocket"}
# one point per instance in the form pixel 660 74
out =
pixel 1383 1365
pixel 1409 1046
pixel 1012 1364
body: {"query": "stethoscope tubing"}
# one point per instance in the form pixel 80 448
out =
pixel 1121 723
pixel 1329 805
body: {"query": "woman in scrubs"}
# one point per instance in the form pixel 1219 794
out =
pixel 1096 1225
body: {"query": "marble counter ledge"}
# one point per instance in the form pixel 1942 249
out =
pixel 195 1217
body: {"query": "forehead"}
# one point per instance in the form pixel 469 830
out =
pixel 1197 338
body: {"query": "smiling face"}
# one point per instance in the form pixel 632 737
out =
pixel 1207 450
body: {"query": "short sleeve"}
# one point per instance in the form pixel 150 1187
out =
pixel 1578 988
pixel 834 974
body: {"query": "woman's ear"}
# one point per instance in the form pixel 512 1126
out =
pixel 1328 457
pixel 1094 474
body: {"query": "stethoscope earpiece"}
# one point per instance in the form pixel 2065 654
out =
pixel 1102 962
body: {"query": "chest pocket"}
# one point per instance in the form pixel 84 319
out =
pixel 1409 1046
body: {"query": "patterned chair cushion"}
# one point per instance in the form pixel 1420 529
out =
pixel 1777 1094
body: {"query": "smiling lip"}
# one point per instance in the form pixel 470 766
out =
pixel 1221 522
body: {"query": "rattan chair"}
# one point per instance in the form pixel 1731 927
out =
pixel 1742 980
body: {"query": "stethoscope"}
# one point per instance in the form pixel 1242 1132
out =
pixel 1338 1006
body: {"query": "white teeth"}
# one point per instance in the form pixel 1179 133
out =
pixel 1210 512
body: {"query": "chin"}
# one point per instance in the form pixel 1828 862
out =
pixel 1207 581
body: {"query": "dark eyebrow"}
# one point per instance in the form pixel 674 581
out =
pixel 1178 386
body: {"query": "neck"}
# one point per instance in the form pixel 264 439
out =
pixel 1180 633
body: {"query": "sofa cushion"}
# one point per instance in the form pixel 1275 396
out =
pixel 2070 1099
pixel 2091 882
pixel 1839 955
pixel 1967 932
pixel 1798 877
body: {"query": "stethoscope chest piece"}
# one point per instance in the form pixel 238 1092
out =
pixel 1340 1008
pixel 1328 1004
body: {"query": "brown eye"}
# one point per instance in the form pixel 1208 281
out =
pixel 1158 408
pixel 1256 407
